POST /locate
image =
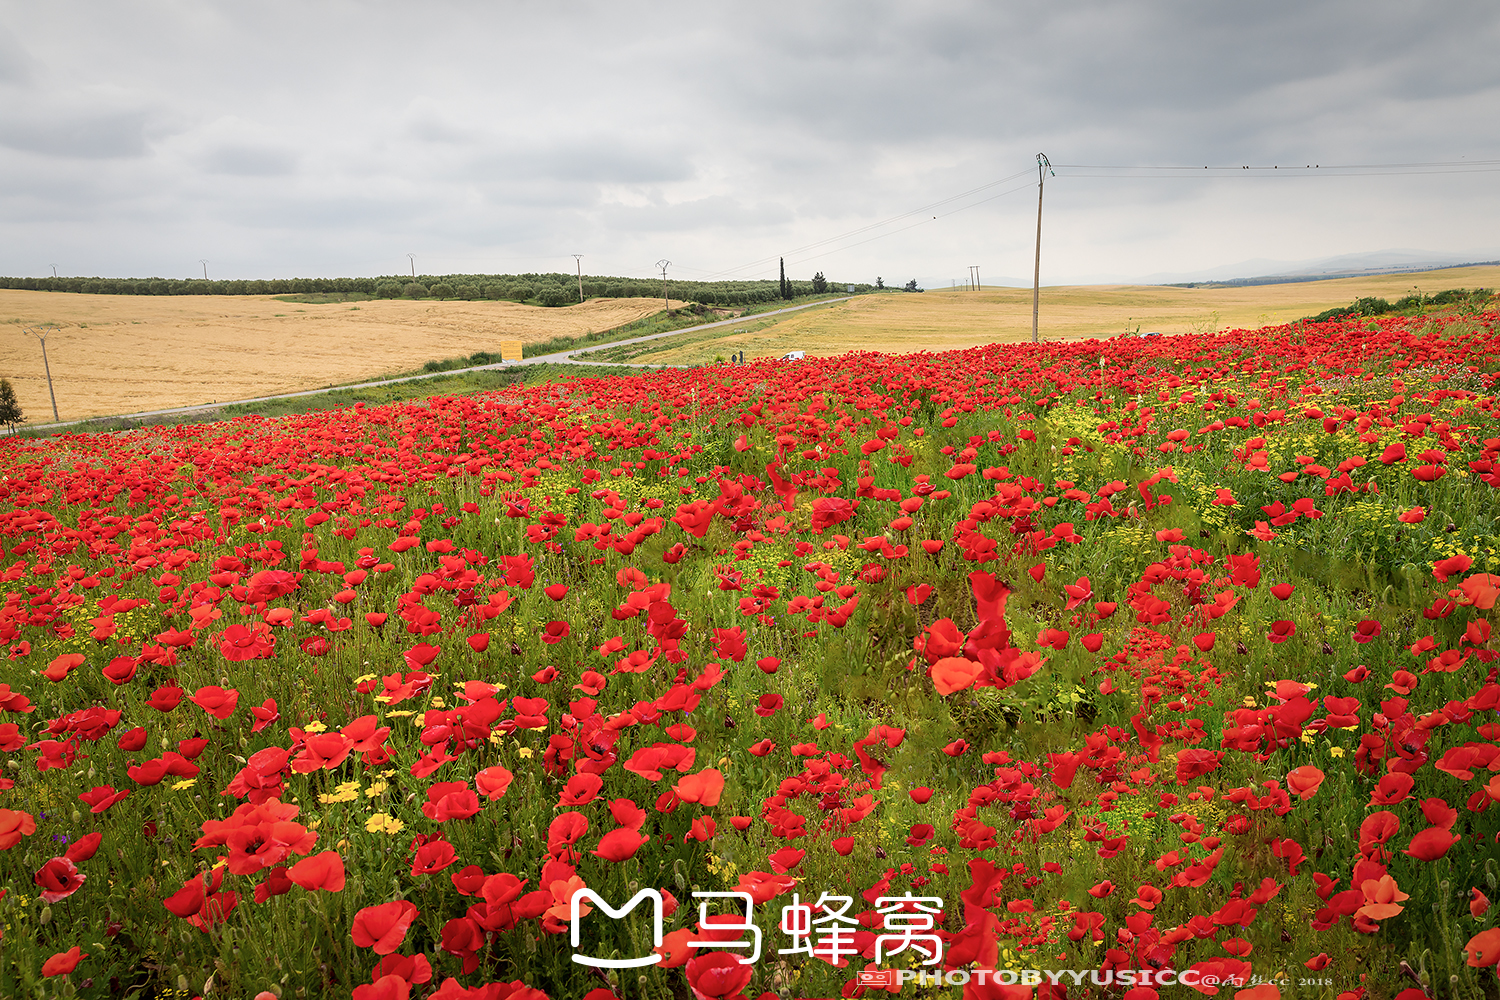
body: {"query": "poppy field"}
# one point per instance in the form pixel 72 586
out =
pixel 1107 659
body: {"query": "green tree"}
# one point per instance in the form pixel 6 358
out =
pixel 415 290
pixel 879 282
pixel 786 287
pixel 441 290
pixel 10 408
pixel 820 283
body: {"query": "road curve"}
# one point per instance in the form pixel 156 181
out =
pixel 559 358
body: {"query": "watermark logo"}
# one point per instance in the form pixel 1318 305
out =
pixel 582 895
pixel 825 929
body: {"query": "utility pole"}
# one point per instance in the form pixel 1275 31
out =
pixel 413 258
pixel 664 264
pixel 43 338
pixel 54 270
pixel 578 259
pixel 1043 167
pixel 205 268
pixel 977 285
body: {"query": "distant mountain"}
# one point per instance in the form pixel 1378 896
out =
pixel 1267 272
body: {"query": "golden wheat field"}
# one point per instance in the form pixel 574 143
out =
pixel 947 318
pixel 116 354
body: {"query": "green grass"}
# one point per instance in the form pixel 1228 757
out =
pixel 465 384
pixel 323 298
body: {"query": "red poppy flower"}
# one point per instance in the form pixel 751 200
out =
pixel 1147 896
pixel 84 847
pixel 620 845
pixel 58 879
pixel 580 790
pixel 716 975
pixel 63 962
pixel 555 632
pixel 121 670
pixel 1305 781
pixel 216 701
pixel 165 698
pixel 1392 789
pixel 704 787
pixel 493 782
pixel 1193 763
pixel 62 665
pixel 320 871
pixel 952 674
pixel 920 795
pixel 264 714
pixel 382 928
pixel 433 856
pixel 1483 948
pixel 956 749
pixel 1430 844
pixel 591 683
pixel 450 800
pixel 275 884
pixel 1281 631
pixel 769 705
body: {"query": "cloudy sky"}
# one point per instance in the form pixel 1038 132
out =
pixel 857 138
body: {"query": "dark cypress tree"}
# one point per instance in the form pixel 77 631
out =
pixel 10 407
pixel 786 291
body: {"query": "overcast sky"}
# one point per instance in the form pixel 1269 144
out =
pixel 327 138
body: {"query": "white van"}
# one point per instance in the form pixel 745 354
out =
pixel 794 356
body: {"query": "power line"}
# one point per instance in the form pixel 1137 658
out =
pixel 876 225
pixel 1117 170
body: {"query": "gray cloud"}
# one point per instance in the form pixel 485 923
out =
pixel 140 137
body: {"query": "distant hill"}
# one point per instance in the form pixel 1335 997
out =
pixel 1272 272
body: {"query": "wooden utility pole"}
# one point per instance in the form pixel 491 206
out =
pixel 43 338
pixel 1043 167
pixel 578 259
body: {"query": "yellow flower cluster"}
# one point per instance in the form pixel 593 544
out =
pixel 346 792
pixel 384 823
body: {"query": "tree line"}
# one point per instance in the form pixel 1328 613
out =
pixel 555 289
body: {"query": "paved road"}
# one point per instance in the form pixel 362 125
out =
pixel 569 357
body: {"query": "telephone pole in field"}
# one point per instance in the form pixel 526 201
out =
pixel 664 264
pixel 578 259
pixel 40 333
pixel 1043 168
